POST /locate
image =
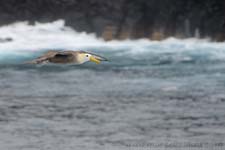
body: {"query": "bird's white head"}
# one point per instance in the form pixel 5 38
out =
pixel 85 57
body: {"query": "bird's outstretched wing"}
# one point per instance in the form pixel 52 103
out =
pixel 44 58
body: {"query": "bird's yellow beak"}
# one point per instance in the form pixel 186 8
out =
pixel 93 59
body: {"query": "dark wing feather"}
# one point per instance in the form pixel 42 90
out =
pixel 43 58
pixel 62 57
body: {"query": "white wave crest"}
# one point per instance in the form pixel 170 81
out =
pixel 55 35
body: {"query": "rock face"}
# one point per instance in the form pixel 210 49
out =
pixel 121 19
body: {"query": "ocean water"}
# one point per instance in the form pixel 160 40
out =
pixel 168 94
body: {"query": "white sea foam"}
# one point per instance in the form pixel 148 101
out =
pixel 55 35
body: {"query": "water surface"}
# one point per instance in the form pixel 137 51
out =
pixel 149 92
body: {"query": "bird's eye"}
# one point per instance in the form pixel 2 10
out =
pixel 86 55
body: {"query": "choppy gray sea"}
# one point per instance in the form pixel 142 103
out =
pixel 160 95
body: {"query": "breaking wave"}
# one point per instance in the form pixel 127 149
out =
pixel 21 41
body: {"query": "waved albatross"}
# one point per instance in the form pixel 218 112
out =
pixel 65 57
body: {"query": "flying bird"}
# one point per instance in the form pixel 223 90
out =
pixel 66 57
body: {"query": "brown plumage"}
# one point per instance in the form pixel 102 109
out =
pixel 64 57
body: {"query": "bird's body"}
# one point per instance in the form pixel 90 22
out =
pixel 65 57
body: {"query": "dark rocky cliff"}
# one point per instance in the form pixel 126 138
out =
pixel 154 19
